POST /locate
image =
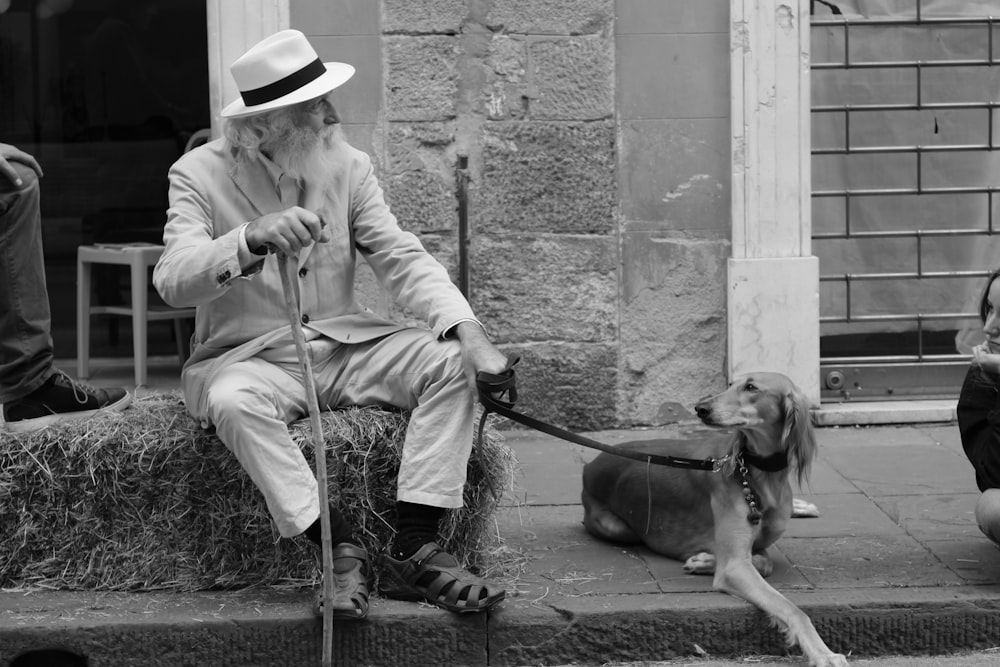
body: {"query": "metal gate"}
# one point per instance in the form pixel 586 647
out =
pixel 904 202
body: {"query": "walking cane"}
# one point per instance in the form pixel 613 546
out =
pixel 288 285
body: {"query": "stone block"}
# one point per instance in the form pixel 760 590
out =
pixel 673 76
pixel 571 385
pixel 422 201
pixel 617 630
pixel 671 17
pixel 536 288
pixel 551 17
pixel 569 561
pixel 507 89
pixel 421 184
pixel 673 324
pixel 944 471
pixel 422 77
pixel 546 177
pixel 693 194
pixel 572 78
pixel 549 475
pixel 827 564
pixel 264 628
pixel 423 16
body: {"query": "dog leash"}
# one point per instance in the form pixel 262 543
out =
pixel 493 387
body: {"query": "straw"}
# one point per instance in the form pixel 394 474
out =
pixel 146 499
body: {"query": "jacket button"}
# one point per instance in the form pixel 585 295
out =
pixel 305 319
pixel 303 271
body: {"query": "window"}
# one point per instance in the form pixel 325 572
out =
pixel 105 94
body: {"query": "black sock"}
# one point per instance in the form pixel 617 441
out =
pixel 340 530
pixel 416 525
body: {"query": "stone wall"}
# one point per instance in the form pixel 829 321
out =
pixel 596 135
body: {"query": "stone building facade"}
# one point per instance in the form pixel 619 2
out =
pixel 572 164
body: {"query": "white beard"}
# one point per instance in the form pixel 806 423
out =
pixel 306 156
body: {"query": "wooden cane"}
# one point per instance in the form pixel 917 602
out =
pixel 288 285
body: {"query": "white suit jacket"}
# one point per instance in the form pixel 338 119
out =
pixel 238 315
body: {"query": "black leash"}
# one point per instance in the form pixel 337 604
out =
pixel 493 387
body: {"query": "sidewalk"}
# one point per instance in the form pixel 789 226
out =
pixel 895 565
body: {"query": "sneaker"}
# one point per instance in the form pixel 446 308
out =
pixel 61 399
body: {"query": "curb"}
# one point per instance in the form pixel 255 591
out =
pixel 276 628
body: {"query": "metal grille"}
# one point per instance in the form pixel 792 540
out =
pixel 904 197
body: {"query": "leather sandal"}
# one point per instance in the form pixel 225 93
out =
pixel 350 587
pixel 433 575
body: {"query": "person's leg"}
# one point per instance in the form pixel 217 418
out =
pixel 25 336
pixel 988 515
pixel 412 370
pixel 415 371
pixel 250 403
pixel 33 393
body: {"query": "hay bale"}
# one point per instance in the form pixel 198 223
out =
pixel 147 500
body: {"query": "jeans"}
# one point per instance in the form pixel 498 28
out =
pixel 25 322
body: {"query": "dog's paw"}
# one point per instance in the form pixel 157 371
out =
pixel 762 562
pixel 703 563
pixel 802 508
pixel 831 660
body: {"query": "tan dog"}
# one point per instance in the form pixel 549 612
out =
pixel 705 519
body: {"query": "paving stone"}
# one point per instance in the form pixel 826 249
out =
pixel 933 516
pixel 565 560
pixel 975 561
pixel 844 515
pixel 671 578
pixel 868 561
pixel 823 479
pixel 901 469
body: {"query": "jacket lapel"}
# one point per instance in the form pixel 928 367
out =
pixel 314 199
pixel 254 182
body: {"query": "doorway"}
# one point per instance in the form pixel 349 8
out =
pixel 104 94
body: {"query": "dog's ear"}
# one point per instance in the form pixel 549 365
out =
pixel 798 438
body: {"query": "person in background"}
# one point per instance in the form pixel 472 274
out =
pixel 979 412
pixel 283 179
pixel 34 393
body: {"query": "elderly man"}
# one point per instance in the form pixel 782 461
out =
pixel 283 179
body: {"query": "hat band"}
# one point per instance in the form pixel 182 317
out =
pixel 282 87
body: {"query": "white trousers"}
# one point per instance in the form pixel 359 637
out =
pixel 251 402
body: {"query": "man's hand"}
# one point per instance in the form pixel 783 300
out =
pixel 287 231
pixel 478 353
pixel 10 154
pixel 985 359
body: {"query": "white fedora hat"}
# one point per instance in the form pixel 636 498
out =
pixel 281 70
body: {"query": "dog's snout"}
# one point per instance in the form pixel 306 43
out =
pixel 703 406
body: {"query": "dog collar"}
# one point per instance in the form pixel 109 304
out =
pixel 773 463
